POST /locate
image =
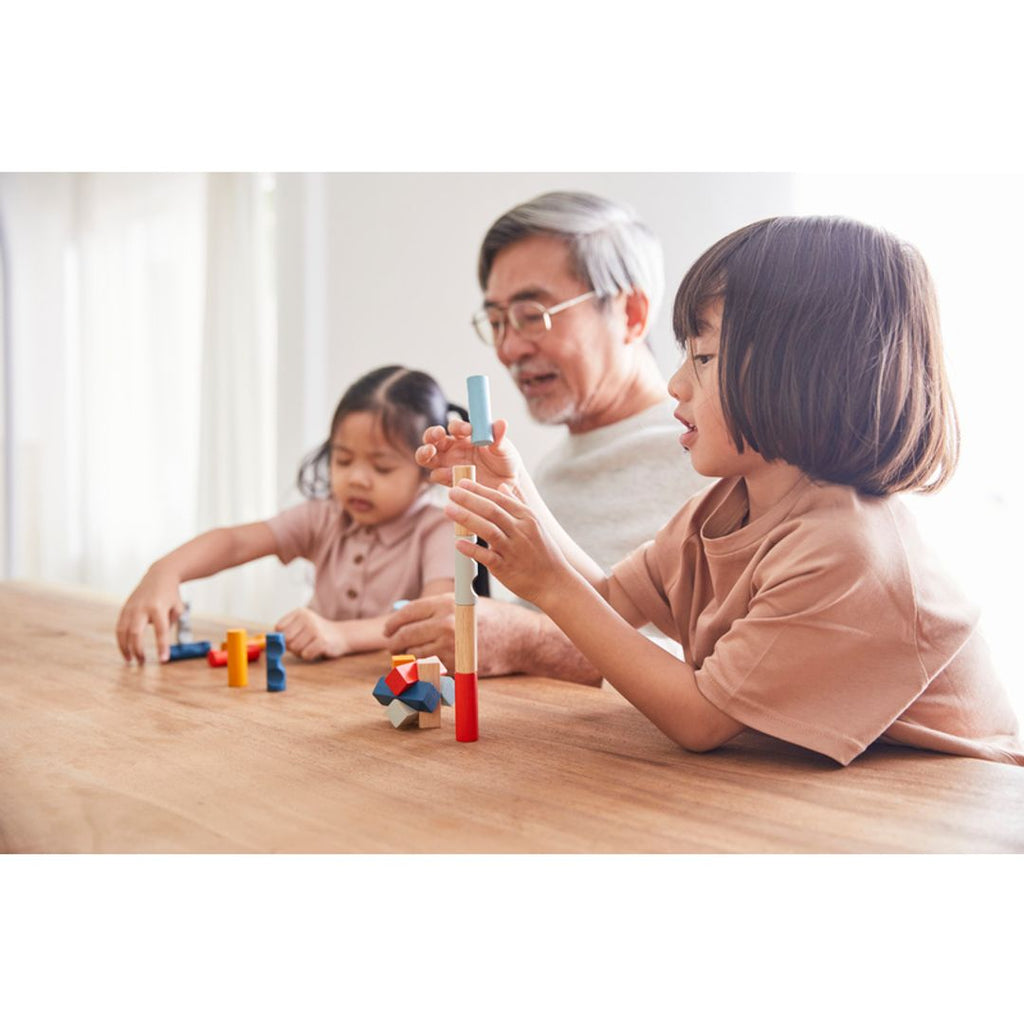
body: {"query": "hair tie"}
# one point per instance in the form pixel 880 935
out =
pixel 462 413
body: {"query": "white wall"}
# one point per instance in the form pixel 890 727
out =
pixel 399 279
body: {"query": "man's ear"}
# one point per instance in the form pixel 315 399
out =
pixel 637 310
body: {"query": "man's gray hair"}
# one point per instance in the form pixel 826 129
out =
pixel 611 250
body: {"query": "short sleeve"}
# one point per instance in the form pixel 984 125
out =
pixel 825 657
pixel 636 582
pixel 296 530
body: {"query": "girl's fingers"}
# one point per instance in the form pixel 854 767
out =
pixel 499 428
pixel 484 516
pixel 487 557
pixel 425 454
pixel 161 627
pixel 501 497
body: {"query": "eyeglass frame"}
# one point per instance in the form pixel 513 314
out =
pixel 547 312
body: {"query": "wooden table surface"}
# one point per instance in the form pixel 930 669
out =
pixel 97 756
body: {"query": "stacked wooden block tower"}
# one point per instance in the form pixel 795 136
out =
pixel 414 690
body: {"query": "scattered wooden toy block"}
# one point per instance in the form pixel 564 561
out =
pixel 383 692
pixel 401 677
pixel 430 670
pixel 218 659
pixel 184 624
pixel 422 696
pixel 402 716
pixel 238 659
pixel 276 677
pixel 430 719
pixel 259 641
pixel 401 659
pixel 447 691
pixel 180 652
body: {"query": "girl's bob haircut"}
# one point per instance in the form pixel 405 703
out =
pixel 830 356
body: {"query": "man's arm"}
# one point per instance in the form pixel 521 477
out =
pixel 511 639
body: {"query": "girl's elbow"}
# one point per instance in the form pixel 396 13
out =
pixel 699 744
pixel 703 739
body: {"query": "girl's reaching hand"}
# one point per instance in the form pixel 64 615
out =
pixel 155 600
pixel 519 553
pixel 311 636
pixel 496 463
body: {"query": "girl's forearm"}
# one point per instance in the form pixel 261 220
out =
pixel 654 681
pixel 215 550
pixel 360 635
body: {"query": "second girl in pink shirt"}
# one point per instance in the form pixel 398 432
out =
pixel 368 527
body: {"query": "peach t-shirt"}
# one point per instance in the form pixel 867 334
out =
pixel 362 570
pixel 825 623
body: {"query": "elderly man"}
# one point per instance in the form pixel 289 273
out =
pixel 571 283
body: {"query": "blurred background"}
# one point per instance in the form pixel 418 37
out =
pixel 174 343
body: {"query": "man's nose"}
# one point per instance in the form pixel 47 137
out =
pixel 513 346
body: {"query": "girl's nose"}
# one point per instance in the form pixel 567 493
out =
pixel 360 475
pixel 678 383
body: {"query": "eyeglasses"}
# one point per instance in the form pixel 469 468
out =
pixel 529 319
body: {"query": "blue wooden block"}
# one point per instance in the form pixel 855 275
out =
pixel 179 652
pixel 275 670
pixel 422 696
pixel 448 691
pixel 479 390
pixel 383 692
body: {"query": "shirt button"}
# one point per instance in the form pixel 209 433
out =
pixel 358 559
pixel 353 593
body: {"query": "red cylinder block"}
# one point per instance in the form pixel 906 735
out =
pixel 467 728
pixel 218 659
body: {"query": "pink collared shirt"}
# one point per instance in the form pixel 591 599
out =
pixel 362 570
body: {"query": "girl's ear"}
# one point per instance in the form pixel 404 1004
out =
pixel 638 308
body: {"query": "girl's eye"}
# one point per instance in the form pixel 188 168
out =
pixel 703 360
pixel 384 470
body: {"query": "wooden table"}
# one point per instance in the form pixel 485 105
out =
pixel 97 756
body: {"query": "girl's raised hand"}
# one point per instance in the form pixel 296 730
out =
pixel 519 553
pixel 496 463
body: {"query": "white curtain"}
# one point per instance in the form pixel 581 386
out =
pixel 144 359
pixel 237 393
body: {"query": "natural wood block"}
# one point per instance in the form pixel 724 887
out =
pixel 463 473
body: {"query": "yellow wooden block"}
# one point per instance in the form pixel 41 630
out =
pixel 238 659
pixel 401 659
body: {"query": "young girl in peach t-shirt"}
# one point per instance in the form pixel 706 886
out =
pixel 813 385
pixel 368 527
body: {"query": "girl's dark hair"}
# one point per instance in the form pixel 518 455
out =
pixel 831 355
pixel 407 401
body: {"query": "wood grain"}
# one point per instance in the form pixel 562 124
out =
pixel 97 756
